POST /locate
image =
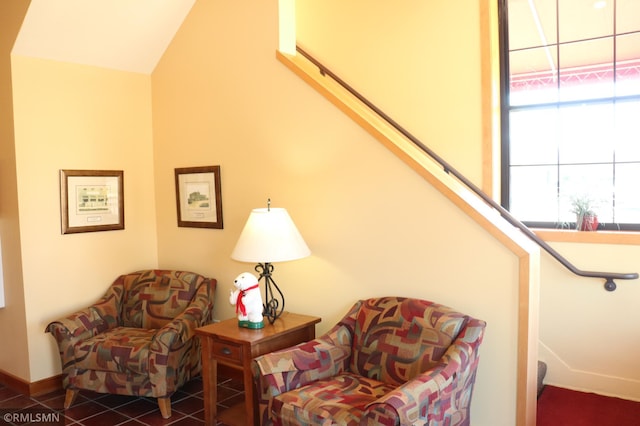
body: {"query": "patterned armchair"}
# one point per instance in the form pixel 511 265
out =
pixel 138 339
pixel 389 361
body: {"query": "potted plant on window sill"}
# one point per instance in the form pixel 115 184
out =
pixel 586 218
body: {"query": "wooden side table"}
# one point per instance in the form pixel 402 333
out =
pixel 227 343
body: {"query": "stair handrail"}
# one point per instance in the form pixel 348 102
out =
pixel 609 277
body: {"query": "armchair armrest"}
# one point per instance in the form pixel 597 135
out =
pixel 291 368
pixel 81 325
pixel 78 326
pixel 75 328
pixel 438 395
pixel 299 365
pixel 181 329
pixel 174 344
pixel 296 366
pixel 101 316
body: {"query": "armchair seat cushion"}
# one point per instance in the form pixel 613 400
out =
pixel 120 350
pixel 341 399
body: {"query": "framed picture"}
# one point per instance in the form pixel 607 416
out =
pixel 199 197
pixel 91 200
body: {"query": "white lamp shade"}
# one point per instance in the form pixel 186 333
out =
pixel 270 236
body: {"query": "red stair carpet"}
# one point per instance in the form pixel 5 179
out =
pixel 564 407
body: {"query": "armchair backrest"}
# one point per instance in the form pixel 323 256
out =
pixel 152 298
pixel 397 338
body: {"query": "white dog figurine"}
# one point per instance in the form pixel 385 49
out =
pixel 248 301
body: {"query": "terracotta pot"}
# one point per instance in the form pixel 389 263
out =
pixel 589 222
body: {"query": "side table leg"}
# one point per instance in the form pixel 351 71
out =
pixel 210 383
pixel 249 396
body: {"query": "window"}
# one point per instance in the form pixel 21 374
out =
pixel 571 110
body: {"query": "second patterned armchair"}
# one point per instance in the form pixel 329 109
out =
pixel 138 339
pixel 389 361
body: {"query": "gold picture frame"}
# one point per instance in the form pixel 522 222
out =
pixel 91 200
pixel 199 197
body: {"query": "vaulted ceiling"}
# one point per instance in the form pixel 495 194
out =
pixel 127 35
pixel 132 35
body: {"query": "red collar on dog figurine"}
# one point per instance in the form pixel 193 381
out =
pixel 239 303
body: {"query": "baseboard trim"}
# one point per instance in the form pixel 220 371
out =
pixel 40 387
pixel 562 375
pixel 45 386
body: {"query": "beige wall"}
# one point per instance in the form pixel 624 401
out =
pixel 413 60
pixel 588 336
pixel 71 116
pixel 13 331
pixel 373 225
pixel 418 61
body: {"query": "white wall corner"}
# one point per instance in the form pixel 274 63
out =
pixel 287 26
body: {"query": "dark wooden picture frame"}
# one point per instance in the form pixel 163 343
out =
pixel 199 197
pixel 91 200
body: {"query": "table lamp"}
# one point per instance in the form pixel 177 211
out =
pixel 270 236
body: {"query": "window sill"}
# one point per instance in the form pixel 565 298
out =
pixel 597 237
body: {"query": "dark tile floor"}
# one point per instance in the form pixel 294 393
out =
pixel 95 409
